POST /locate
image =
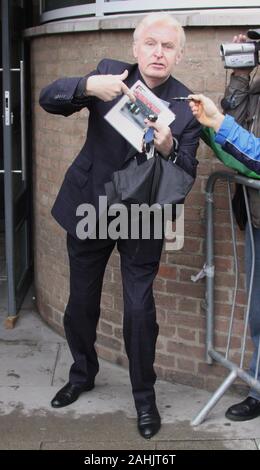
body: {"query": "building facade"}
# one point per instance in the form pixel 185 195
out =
pixel 70 40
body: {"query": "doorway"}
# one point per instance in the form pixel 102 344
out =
pixel 15 181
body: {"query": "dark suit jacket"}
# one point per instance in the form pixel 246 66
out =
pixel 104 150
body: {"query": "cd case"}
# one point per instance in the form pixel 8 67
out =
pixel 128 117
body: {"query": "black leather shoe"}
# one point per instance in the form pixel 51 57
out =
pixel 68 394
pixel 245 410
pixel 149 423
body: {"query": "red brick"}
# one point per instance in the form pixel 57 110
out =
pixel 188 305
pixel 186 258
pixel 107 301
pixel 167 331
pixel 167 272
pixel 106 328
pixel 186 289
pixel 186 334
pixel 109 342
pixel 224 264
pixel 165 360
pixel 187 320
pixel 159 285
pixel 224 310
pixel 165 301
pixel 185 350
pixel 186 365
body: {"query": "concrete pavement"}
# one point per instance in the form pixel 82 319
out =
pixel 34 365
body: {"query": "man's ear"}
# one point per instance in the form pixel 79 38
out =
pixel 134 50
pixel 179 56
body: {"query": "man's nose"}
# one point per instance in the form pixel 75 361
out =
pixel 158 50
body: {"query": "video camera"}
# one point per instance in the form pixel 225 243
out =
pixel 242 55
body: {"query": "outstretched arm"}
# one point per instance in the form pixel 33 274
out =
pixel 206 111
pixel 236 140
pixel 66 96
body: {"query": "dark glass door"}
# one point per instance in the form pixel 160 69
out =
pixel 15 156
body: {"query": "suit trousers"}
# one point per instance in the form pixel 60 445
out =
pixel 139 266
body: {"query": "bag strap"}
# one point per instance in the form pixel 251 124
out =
pixel 156 178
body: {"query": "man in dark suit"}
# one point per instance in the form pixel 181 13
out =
pixel 158 46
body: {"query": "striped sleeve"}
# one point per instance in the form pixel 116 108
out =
pixel 240 143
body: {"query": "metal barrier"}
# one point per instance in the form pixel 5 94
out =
pixel 235 370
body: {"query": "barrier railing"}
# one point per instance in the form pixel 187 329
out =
pixel 235 370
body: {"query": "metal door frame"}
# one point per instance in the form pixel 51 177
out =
pixel 13 298
pixel 7 150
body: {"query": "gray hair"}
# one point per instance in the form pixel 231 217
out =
pixel 161 17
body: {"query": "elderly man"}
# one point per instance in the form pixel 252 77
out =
pixel 158 47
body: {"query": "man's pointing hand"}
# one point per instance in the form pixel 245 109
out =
pixel 108 87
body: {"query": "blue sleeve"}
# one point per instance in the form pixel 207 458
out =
pixel 240 143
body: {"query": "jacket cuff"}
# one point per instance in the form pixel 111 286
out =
pixel 80 93
pixel 224 130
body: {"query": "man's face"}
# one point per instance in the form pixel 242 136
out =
pixel 157 50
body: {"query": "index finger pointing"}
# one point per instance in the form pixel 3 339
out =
pixel 128 92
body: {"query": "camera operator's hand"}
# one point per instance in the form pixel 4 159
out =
pixel 108 87
pixel 240 38
pixel 206 111
pixel 163 140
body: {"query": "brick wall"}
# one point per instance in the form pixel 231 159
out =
pixel 180 303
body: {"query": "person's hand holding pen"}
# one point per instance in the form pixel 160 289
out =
pixel 205 111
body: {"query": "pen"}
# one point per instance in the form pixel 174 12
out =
pixel 182 98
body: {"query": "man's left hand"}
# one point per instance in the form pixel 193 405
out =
pixel 163 140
